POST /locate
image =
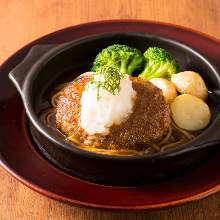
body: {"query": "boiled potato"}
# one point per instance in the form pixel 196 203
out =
pixel 190 112
pixel 189 82
pixel 167 87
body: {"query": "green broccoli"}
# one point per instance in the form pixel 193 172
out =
pixel 123 58
pixel 159 63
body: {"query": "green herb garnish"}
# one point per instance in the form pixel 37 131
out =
pixel 109 79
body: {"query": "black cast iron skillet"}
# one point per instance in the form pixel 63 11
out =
pixel 46 66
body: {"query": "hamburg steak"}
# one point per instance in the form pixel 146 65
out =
pixel 146 125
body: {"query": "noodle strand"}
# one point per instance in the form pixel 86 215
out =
pixel 169 141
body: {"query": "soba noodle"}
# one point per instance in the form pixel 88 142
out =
pixel 174 137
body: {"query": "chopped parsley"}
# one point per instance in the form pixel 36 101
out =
pixel 109 79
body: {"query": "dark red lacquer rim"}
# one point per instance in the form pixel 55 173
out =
pixel 20 158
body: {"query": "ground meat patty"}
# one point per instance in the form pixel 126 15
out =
pixel 146 125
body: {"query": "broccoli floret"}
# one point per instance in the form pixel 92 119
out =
pixel 123 58
pixel 159 63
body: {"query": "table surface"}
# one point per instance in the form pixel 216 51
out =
pixel 25 20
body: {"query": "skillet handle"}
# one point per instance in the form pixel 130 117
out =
pixel 20 72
